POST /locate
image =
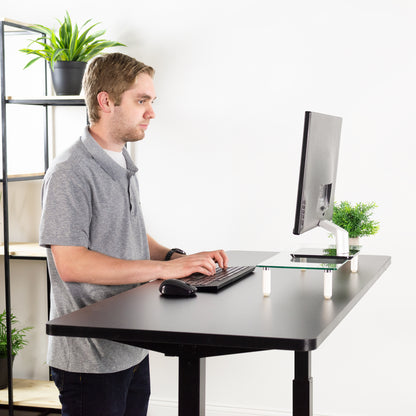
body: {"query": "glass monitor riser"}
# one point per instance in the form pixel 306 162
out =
pixel 325 260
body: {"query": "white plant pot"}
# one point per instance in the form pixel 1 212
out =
pixel 354 241
pixel 354 262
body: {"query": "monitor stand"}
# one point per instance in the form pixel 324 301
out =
pixel 341 250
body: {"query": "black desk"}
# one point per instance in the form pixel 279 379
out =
pixel 238 319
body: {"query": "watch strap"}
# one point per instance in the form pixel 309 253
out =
pixel 173 250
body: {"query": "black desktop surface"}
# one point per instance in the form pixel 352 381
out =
pixel 295 317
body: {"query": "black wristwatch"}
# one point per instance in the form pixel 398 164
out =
pixel 174 250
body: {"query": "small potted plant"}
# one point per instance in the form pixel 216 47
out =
pixel 67 52
pixel 356 219
pixel 18 338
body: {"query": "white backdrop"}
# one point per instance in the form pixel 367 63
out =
pixel 219 168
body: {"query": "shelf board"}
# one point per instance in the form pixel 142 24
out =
pixel 32 393
pixel 14 21
pixel 24 177
pixel 32 250
pixel 15 26
pixel 62 100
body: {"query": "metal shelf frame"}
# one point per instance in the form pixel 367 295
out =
pixel 47 101
pixel 16 28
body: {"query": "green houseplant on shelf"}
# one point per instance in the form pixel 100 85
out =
pixel 18 338
pixel 356 219
pixel 67 51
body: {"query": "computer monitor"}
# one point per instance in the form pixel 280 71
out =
pixel 317 178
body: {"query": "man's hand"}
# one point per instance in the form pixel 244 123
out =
pixel 204 262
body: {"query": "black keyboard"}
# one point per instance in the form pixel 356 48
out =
pixel 220 279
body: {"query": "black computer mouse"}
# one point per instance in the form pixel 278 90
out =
pixel 177 288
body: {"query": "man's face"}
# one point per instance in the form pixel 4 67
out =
pixel 131 118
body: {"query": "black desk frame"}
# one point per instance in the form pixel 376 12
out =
pixel 192 365
pixel 192 348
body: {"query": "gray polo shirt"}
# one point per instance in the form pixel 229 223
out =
pixel 89 200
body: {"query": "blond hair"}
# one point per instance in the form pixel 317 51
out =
pixel 113 73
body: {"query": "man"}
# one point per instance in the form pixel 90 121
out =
pixel 97 245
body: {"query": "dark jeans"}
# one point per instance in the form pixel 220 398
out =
pixel 125 393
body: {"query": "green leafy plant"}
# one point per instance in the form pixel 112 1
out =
pixel 356 219
pixel 69 44
pixel 18 335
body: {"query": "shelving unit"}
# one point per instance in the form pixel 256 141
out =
pixel 41 395
pixel 32 393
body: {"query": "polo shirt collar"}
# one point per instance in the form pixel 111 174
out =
pixel 105 161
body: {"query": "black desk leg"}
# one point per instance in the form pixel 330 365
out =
pixel 302 385
pixel 191 386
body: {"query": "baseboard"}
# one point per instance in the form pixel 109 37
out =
pixel 170 408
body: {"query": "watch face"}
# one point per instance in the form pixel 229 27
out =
pixel 178 250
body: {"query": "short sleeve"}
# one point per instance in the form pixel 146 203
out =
pixel 66 210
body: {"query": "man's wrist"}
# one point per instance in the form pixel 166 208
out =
pixel 172 251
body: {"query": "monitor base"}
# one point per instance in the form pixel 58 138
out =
pixel 322 255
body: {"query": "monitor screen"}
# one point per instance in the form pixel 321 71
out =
pixel 318 170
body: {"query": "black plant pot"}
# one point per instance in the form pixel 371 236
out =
pixel 67 77
pixel 4 372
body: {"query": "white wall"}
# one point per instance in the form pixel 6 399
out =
pixel 219 166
